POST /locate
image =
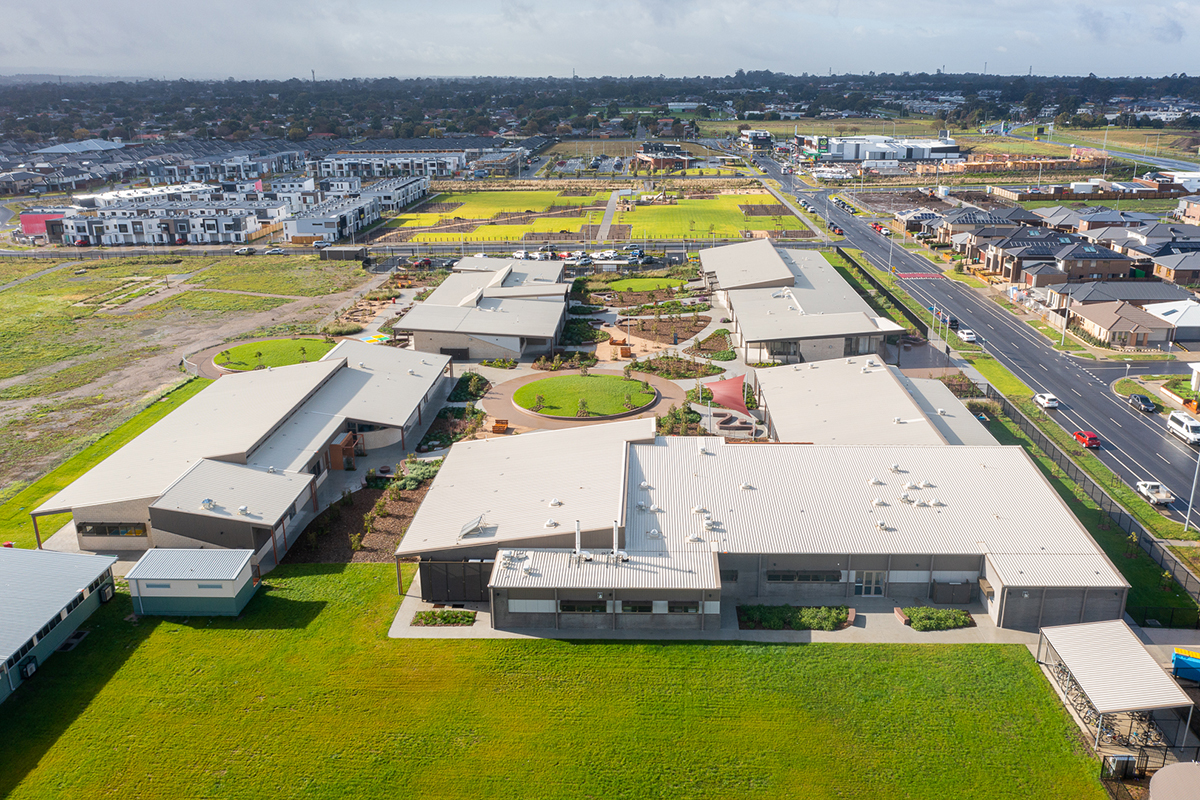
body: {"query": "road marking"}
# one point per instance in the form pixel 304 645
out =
pixel 1077 394
pixel 1043 366
pixel 1114 422
pixel 1160 455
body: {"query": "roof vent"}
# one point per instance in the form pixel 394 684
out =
pixel 622 555
pixel 653 507
pixel 878 501
pixel 910 485
pixel 268 369
pixel 641 506
pixel 905 498
pixel 881 525
pixel 896 420
pixel 271 470
pixel 695 537
pixel 896 468
pixel 527 569
pixel 941 412
pixel 875 482
pixel 865 370
pixel 745 487
pixel 701 449
pixel 550 523
pixel 655 533
pixel 644 485
pixel 361 363
pixel 243 510
pixel 207 503
pixel 709 524
pixel 698 509
pixel 410 372
pixel 926 484
pixel 796 368
pixel 555 503
pixel 922 504
pixel 849 360
pixel 870 362
pixel 936 502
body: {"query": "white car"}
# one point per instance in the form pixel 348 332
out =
pixel 967 335
pixel 578 253
pixel 1046 400
pixel 275 251
pixel 479 255
pixel 520 254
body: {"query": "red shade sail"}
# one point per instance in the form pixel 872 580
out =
pixel 730 393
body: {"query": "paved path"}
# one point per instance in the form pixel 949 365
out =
pixel 498 402
pixel 609 212
pixel 38 274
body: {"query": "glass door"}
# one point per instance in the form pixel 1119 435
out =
pixel 868 583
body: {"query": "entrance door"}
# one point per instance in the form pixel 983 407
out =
pixel 868 582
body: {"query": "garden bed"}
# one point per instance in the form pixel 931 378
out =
pixel 451 425
pixel 676 368
pixel 665 330
pixel 470 386
pixel 680 422
pixel 792 618
pixel 716 347
pixel 578 332
pixel 443 618
pixel 924 618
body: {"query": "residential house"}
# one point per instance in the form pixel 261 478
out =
pixel 1121 324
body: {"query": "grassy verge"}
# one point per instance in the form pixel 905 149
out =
pixel 15 525
pixel 962 277
pixel 1128 386
pixel 1141 357
pixel 1056 339
pixel 1144 576
pixel 319 702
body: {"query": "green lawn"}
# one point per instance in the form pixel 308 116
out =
pixel 15 525
pixel 641 284
pixel 693 218
pixel 964 277
pixel 197 300
pixel 605 394
pixel 13 268
pixel 303 276
pixel 1056 339
pixel 277 353
pixel 305 696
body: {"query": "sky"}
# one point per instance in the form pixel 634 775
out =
pixel 280 39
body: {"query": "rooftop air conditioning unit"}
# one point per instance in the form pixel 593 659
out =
pixel 653 507
pixel 878 501
pixel 550 523
pixel 555 503
pixel 941 412
pixel 655 533
pixel 895 467
pixel 881 525
pixel 644 485
pixel 698 509
pixel 106 593
pixel 410 372
pixel 271 470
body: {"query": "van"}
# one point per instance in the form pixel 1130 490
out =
pixel 1184 426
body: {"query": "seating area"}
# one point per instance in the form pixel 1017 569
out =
pixel 500 426
pixel 729 422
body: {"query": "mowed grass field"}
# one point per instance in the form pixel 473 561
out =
pixel 15 525
pixel 1171 142
pixel 605 394
pixel 305 696
pixel 693 218
pixel 640 284
pixel 275 353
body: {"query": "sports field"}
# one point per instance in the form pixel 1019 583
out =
pixel 720 216
pixel 305 696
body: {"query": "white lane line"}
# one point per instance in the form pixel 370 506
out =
pixel 1077 394
pixel 1043 366
pixel 1114 422
pixel 1160 455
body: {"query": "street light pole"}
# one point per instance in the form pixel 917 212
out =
pixel 1187 520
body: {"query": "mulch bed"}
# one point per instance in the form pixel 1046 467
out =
pixel 755 210
pixel 333 546
pixel 665 331
pixel 713 344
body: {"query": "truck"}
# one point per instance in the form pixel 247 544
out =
pixel 1155 492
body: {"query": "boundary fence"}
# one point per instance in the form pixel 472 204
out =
pixel 917 322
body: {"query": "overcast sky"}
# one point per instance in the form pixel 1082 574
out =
pixel 402 38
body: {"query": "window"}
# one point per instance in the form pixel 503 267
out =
pixel 111 529
pixel 683 607
pixel 210 586
pixel 583 606
pixel 832 576
pixel 156 586
pixel 729 576
pixel 75 601
pixel 123 228
pixel 636 606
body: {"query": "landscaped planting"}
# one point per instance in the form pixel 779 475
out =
pixel 578 332
pixel 642 284
pixel 603 395
pixel 924 618
pixel 275 353
pixel 792 618
pixel 444 617
pixel 306 694
pixel 452 424
pixel 470 386
pixel 675 368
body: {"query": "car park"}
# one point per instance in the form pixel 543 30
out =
pixel 1046 400
pixel 1142 403
pixel 967 335
pixel 1087 439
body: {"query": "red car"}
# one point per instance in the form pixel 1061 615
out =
pixel 1087 439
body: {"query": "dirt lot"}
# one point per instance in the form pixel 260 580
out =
pixel 891 202
pixel 982 200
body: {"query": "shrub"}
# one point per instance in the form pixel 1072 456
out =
pixel 418 472
pixel 444 617
pixel 381 509
pixel 924 618
pixel 796 618
pixel 356 541
pixel 341 328
pixel 347 497
pixel 470 386
pixel 723 355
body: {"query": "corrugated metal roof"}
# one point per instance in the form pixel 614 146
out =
pixel 165 564
pixel 267 496
pixel 492 316
pixel 512 481
pixel 229 417
pixel 1056 570
pixel 37 584
pixel 561 569
pixel 755 263
pixel 836 402
pixel 785 322
pixel 1113 668
pixel 820 499
pixel 957 425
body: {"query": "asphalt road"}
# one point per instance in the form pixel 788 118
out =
pixel 1154 161
pixel 1135 445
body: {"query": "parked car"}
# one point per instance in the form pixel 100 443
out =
pixel 1184 426
pixel 1046 400
pixel 520 254
pixel 1142 403
pixel 245 251
pixel 321 245
pixel 952 324
pixel 1087 439
pixel 633 247
pixel 82 243
pixel 967 335
pixel 274 251
pixel 546 248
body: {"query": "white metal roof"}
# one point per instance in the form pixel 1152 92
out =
pixel 1055 570
pixel 512 480
pixel 751 264
pixel 37 584
pixel 179 563
pixel 267 496
pixel 957 424
pixel 1113 668
pixel 490 317
pixel 759 322
pixel 821 499
pixel 561 569
pixel 505 283
pixel 837 402
pixel 229 418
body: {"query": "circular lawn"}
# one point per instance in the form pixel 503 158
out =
pixel 642 284
pixel 274 353
pixel 605 395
